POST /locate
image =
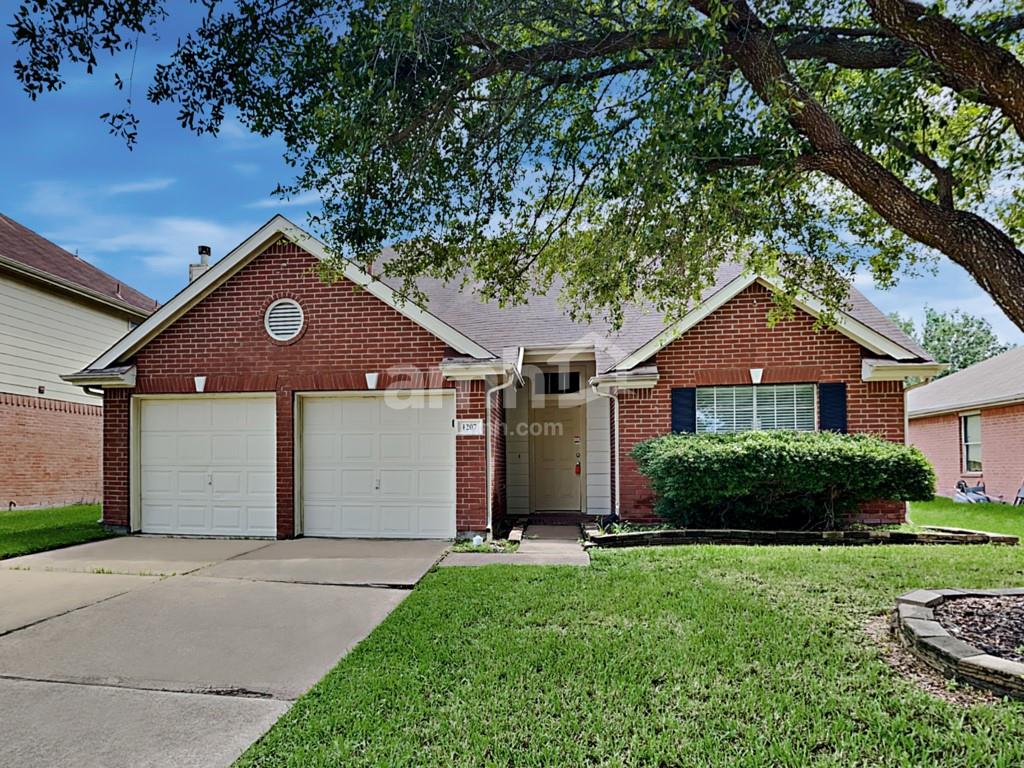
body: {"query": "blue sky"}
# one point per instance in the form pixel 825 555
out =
pixel 140 215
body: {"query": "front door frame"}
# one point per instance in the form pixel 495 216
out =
pixel 577 400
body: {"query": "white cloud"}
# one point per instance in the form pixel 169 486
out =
pixel 163 245
pixel 134 187
pixel 306 198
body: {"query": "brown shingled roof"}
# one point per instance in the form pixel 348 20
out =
pixel 21 245
pixel 543 321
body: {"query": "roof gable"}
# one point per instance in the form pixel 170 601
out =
pixel 846 324
pixel 246 252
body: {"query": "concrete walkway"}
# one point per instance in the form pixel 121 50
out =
pixel 148 651
pixel 541 545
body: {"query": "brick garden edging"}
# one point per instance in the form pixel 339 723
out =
pixel 817 538
pixel 914 624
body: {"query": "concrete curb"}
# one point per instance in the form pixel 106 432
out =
pixel 814 538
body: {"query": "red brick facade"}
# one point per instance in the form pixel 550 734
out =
pixel 50 451
pixel 721 350
pixel 1002 446
pixel 348 332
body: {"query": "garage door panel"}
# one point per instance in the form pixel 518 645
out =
pixel 400 482
pixel 262 521
pixel 321 444
pixel 354 415
pixel 261 485
pixel 389 456
pixel 434 521
pixel 435 483
pixel 358 445
pixel 358 482
pixel 229 483
pixel 396 519
pixel 437 448
pixel 318 483
pixel 227 519
pixel 396 447
pixel 193 517
pixel 194 414
pixel 208 466
pixel 359 519
pixel 191 449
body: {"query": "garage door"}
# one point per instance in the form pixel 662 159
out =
pixel 379 468
pixel 208 466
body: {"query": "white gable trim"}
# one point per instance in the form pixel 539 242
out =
pixel 845 324
pixel 252 247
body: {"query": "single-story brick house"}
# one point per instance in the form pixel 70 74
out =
pixel 261 401
pixel 57 313
pixel 970 425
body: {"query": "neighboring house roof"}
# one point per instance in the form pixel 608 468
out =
pixel 484 330
pixel 996 381
pixel 32 255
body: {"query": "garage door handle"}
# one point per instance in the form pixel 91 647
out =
pixel 376 482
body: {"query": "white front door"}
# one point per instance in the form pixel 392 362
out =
pixel 378 465
pixel 557 449
pixel 207 466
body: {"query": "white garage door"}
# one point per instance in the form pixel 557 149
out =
pixel 378 468
pixel 208 466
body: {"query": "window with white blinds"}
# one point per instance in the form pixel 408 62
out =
pixel 742 409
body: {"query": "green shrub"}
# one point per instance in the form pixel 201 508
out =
pixel 775 480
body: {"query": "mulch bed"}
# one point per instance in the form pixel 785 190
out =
pixel 993 624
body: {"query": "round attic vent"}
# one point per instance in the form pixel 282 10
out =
pixel 283 320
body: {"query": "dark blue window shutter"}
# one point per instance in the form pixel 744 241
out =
pixel 832 407
pixel 684 409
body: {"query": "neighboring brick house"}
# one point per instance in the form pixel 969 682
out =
pixel 264 401
pixel 970 425
pixel 57 312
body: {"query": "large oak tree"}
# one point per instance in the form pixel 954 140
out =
pixel 626 146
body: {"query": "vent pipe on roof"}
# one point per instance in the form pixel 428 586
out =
pixel 195 270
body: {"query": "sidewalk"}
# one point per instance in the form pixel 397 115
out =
pixel 541 545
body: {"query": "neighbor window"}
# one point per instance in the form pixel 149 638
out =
pixel 970 433
pixel 742 409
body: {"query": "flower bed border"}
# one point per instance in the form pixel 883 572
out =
pixel 596 538
pixel 915 626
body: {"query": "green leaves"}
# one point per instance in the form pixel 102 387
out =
pixel 777 479
pixel 616 146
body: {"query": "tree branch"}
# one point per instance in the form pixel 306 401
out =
pixel 943 175
pixel 982 66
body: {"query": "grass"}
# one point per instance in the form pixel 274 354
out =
pixel 498 546
pixel 24 531
pixel 673 656
pixel 993 518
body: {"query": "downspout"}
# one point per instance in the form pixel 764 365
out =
pixel 615 436
pixel 516 375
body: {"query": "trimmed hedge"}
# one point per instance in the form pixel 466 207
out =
pixel 774 480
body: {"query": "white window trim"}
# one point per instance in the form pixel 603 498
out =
pixel 962 429
pixel 765 387
pixel 278 303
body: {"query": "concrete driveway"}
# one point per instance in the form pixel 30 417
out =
pixel 146 651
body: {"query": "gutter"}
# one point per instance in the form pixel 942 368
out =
pixel 101 298
pixel 515 375
pixel 614 397
pixel 960 407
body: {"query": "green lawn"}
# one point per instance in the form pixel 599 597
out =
pixel 994 518
pixel 675 656
pixel 24 531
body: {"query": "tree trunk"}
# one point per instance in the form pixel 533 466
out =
pixel 987 253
